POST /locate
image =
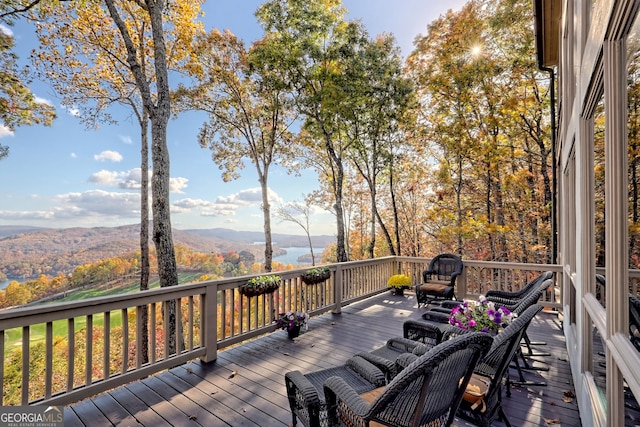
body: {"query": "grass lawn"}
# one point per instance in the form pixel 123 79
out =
pixel 13 337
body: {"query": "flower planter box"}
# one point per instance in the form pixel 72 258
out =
pixel 398 283
pixel 292 322
pixel 315 278
pixel 260 286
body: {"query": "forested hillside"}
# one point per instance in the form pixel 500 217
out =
pixel 32 252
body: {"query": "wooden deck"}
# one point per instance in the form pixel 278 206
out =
pixel 245 386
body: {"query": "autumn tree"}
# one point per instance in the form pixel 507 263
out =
pixel 483 119
pixel 129 63
pixel 18 105
pixel 444 88
pixel 312 46
pixel 16 294
pixel 383 95
pixel 249 114
pixel 299 214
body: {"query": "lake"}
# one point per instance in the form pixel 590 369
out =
pixel 291 257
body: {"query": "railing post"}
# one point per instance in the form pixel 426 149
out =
pixel 462 283
pixel 337 289
pixel 209 310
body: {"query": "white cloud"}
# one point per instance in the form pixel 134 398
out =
pixel 108 155
pixel 126 139
pixel 5 131
pixel 225 206
pixel 91 207
pixel 126 180
pixel 208 209
pixel 250 196
pixel 73 155
pixel 6 30
pixel 176 185
pixel 98 202
pixel 44 101
pixel 193 203
pixel 75 112
pixel 25 215
pixel 131 179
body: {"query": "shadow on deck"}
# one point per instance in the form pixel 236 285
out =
pixel 245 386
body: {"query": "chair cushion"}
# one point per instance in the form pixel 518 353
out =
pixel 437 288
pixel 476 390
pixel 369 397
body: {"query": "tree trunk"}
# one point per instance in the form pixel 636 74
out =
pixel 371 247
pixel 341 253
pixel 266 213
pixel 394 207
pixel 337 183
pixel 459 214
pixel 144 234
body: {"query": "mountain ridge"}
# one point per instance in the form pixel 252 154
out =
pixel 30 251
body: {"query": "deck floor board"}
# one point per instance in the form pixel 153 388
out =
pixel 245 385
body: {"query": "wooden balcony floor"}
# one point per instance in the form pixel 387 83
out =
pixel 245 386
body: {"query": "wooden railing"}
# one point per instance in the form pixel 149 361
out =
pixel 59 353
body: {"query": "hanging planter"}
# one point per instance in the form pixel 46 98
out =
pixel 260 285
pixel 316 275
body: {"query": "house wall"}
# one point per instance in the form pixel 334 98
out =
pixel 592 82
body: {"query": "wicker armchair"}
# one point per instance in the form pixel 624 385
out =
pixel 427 332
pixel 439 279
pixel 517 306
pixel 511 298
pixel 427 392
pixel 634 321
pixel 634 310
pixel 306 395
pixel 492 368
pixel 385 357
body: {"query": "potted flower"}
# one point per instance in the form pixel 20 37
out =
pixel 398 283
pixel 482 316
pixel 292 321
pixel 316 275
pixel 260 285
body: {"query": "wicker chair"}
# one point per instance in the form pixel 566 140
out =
pixel 306 395
pixel 634 310
pixel 634 321
pixel 492 368
pixel 385 357
pixel 427 392
pixel 511 298
pixel 439 279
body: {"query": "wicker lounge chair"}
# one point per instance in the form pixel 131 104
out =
pixel 385 357
pixel 427 392
pixel 306 395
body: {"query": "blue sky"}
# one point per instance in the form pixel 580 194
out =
pixel 66 176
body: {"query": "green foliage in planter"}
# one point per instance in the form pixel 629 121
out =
pixel 316 275
pixel 261 285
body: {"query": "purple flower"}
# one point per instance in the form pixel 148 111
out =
pixel 481 316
